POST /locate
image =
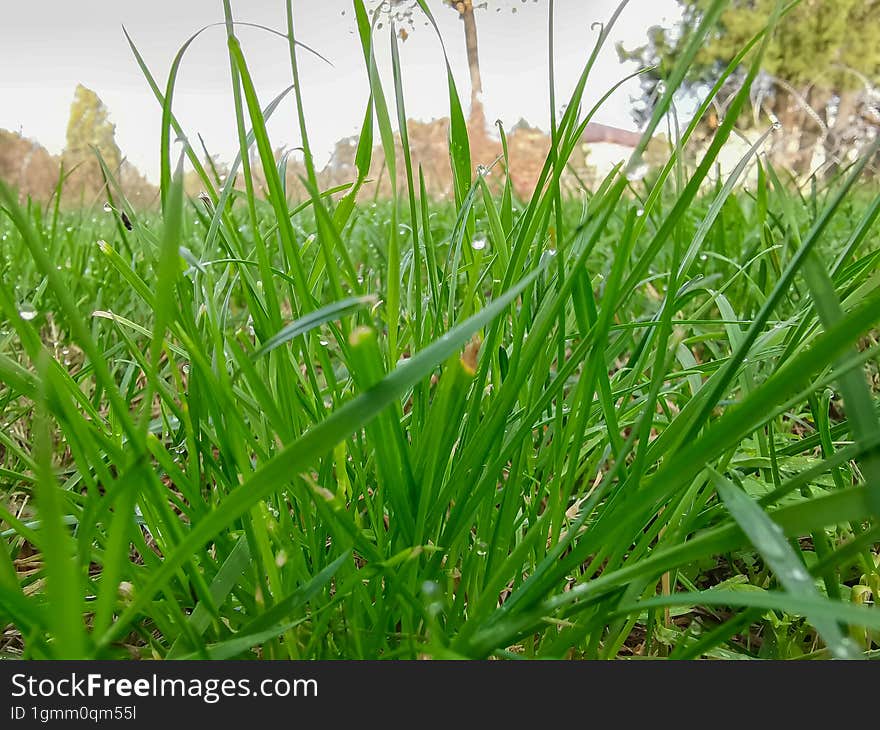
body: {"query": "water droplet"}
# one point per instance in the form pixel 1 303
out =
pixel 640 212
pixel 482 548
pixel 637 172
pixel 478 244
pixel 108 208
pixel 432 595
pixel 323 343
pixel 27 312
pixel 704 257
pixel 69 229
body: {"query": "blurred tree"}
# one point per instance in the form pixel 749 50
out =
pixel 465 10
pixel 89 126
pixel 820 72
pixel 27 166
pixel 401 13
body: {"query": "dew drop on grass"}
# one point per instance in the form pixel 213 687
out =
pixel 431 593
pixel 637 172
pixel 27 312
pixel 704 257
pixel 478 244
pixel 640 212
pixel 549 254
pixel 108 208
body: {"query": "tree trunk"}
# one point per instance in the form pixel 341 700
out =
pixel 788 141
pixel 813 132
pixel 465 10
pixel 836 143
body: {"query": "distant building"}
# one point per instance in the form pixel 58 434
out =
pixel 603 147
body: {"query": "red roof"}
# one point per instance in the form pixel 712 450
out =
pixel 603 133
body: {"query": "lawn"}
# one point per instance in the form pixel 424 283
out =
pixel 637 422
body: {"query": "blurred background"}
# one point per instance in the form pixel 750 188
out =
pixel 70 84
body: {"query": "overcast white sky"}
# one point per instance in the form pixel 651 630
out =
pixel 48 46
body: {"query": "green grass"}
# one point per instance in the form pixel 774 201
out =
pixel 642 422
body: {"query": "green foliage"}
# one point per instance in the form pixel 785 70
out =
pixel 643 422
pixel 819 70
pixel 814 45
pixel 89 127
